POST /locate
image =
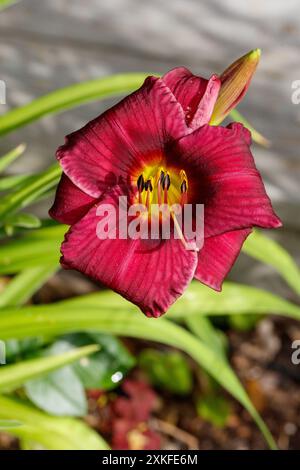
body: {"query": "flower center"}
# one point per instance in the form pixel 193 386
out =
pixel 159 185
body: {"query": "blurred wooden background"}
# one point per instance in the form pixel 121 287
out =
pixel 45 45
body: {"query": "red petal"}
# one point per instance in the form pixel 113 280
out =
pixel 222 175
pixel 196 95
pixel 217 257
pixel 70 202
pixel 103 153
pixel 149 273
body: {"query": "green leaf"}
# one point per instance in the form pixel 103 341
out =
pixel 234 299
pixel 270 252
pixel 29 191
pixel 35 248
pixel 23 220
pixel 8 423
pixel 50 432
pixel 15 375
pixel 62 317
pixel 24 285
pixel 168 370
pixel 60 393
pixel 199 299
pixel 256 136
pixel 11 156
pixel 13 182
pixel 7 3
pixel 70 97
pixel 214 409
pixel 202 327
pixel 106 368
pixel 243 322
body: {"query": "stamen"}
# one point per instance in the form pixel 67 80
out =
pixel 149 189
pixel 160 180
pixel 178 229
pixel 166 185
pixel 140 186
pixel 183 187
pixel 141 183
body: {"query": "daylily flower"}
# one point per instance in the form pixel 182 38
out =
pixel 157 145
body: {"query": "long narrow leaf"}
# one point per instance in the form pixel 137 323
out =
pixel 15 375
pixel 29 191
pixel 199 299
pixel 69 97
pixel 24 285
pixel 270 252
pixel 34 249
pixel 202 327
pixel 7 3
pixel 11 156
pixel 256 136
pixel 53 433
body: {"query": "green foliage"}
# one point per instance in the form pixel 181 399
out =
pixel 69 97
pixel 214 408
pixel 15 375
pixel 65 317
pixel 167 370
pixel 53 433
pixel 268 251
pixel 11 156
pixel 8 424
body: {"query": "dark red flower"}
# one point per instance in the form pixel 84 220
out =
pixel 155 146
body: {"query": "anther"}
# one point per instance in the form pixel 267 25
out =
pixel 141 183
pixel 148 185
pixel 183 187
pixel 162 177
pixel 166 182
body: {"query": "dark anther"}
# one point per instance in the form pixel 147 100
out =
pixel 166 182
pixel 183 187
pixel 148 185
pixel 140 183
pixel 162 177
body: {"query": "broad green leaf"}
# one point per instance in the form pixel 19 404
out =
pixel 11 156
pixel 60 393
pixel 69 97
pixel 24 285
pixel 62 317
pixel 256 136
pixel 15 375
pixel 270 252
pixel 168 370
pixel 8 423
pixel 29 191
pixel 106 368
pixel 53 433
